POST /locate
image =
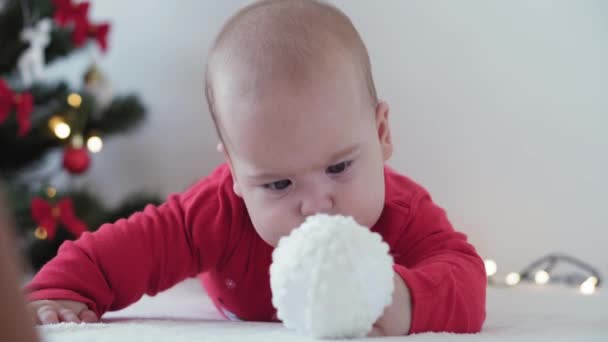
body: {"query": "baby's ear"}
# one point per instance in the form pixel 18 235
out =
pixel 235 184
pixel 220 148
pixel 383 129
pixel 236 188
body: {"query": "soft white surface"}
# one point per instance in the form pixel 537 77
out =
pixel 184 313
pixel 321 284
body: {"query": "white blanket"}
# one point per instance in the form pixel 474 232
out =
pixel 184 313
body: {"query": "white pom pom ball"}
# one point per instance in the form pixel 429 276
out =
pixel 331 278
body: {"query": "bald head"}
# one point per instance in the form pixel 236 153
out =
pixel 284 43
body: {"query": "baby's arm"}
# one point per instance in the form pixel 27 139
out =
pixel 444 275
pixel 395 321
pixel 113 267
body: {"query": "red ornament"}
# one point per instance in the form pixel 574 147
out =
pixel 23 103
pixel 76 159
pixel 48 216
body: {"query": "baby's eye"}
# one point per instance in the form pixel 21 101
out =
pixel 278 185
pixel 339 168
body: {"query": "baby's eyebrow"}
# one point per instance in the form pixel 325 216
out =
pixel 264 177
pixel 334 157
pixel 344 153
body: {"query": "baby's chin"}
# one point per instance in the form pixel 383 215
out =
pixel 271 240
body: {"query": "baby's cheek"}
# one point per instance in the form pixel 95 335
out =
pixel 274 222
pixel 366 202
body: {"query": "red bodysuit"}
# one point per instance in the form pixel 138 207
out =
pixel 206 230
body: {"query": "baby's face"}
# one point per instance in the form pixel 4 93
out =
pixel 295 153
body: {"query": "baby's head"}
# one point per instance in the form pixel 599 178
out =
pixel 290 89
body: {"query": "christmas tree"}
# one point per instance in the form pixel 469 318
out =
pixel 39 119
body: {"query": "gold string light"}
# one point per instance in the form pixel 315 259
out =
pixel 74 100
pixel 94 143
pixel 491 267
pixel 59 127
pixel 40 233
pixel 51 192
pixel 541 277
pixel 512 279
pixel 588 286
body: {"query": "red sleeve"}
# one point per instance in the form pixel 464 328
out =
pixel 144 254
pixel 445 276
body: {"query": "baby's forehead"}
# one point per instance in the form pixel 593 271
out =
pixel 287 102
pixel 291 80
pixel 302 112
pixel 280 59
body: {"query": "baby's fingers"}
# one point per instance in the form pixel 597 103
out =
pixel 68 315
pixel 88 316
pixel 47 314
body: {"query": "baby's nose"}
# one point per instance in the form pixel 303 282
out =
pixel 322 203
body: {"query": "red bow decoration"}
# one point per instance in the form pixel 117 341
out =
pixel 67 12
pixel 47 216
pixel 23 103
pixel 84 29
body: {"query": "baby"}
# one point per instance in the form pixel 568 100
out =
pixel 291 93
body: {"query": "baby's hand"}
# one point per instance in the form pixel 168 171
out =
pixel 56 311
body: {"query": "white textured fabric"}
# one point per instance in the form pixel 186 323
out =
pixel 185 313
pixel 331 278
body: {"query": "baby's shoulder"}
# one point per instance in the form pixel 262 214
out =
pixel 212 193
pixel 402 191
pixel 212 184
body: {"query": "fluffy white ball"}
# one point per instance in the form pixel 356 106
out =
pixel 331 278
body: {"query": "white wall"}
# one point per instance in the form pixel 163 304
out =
pixel 499 108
